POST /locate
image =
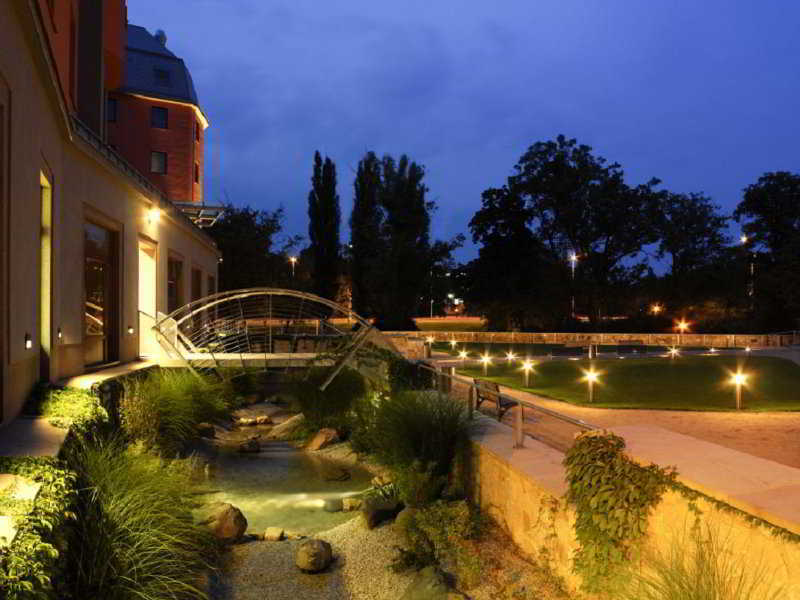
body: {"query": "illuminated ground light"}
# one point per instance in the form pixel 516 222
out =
pixel 511 357
pixel 739 380
pixel 591 377
pixel 527 367
pixel 486 360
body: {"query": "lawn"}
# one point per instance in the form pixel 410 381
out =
pixel 687 383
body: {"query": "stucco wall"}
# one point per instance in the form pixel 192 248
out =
pixel 85 187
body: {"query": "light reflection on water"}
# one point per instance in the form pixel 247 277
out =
pixel 283 486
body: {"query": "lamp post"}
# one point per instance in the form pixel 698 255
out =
pixel 682 326
pixel 751 268
pixel 527 367
pixel 591 377
pixel 486 360
pixel 293 260
pixel 573 259
pixel 739 379
pixel 656 308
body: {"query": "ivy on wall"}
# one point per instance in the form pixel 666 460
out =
pixel 613 498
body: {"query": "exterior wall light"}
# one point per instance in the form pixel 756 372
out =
pixel 153 215
pixel 28 341
pixel 59 335
pixel 130 330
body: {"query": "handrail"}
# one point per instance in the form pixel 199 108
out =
pixel 518 433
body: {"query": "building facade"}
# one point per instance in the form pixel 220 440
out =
pixel 92 245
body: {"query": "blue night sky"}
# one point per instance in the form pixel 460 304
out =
pixel 702 95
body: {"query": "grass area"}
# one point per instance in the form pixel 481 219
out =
pixel 500 349
pixel 451 324
pixel 687 383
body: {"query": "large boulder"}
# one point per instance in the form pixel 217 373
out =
pixel 273 534
pixel 429 584
pixel 323 438
pixel 333 505
pixel 286 429
pixel 313 556
pixel 226 522
pixel 377 510
pixel 351 503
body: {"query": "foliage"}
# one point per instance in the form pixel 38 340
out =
pixel 246 238
pixel 63 407
pixel 613 498
pixel 417 485
pixel 420 426
pixel 700 565
pixel 33 568
pixel 163 409
pixel 406 375
pixel 329 408
pixel 136 536
pixel 363 423
pixel 393 258
pixel 324 216
pixel 441 533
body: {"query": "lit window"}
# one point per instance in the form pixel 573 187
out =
pixel 159 117
pixel 196 173
pixel 158 162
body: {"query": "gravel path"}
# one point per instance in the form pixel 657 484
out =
pixel 360 570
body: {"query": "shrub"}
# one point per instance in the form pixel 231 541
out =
pixel 443 533
pixel 64 407
pixel 163 409
pixel 417 485
pixel 405 375
pixel 329 408
pixel 136 538
pixel 420 426
pixel 700 565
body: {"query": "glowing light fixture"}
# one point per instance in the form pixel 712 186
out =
pixel 28 341
pixel 429 339
pixel 673 352
pixel 453 344
pixel 591 377
pixel 656 308
pixel 130 330
pixel 682 325
pixel 712 350
pixel 739 380
pixel 527 367
pixel 486 360
pixel 743 238
pixel 59 335
pixel 293 260
pixel 510 357
pixel 154 215
pixel 463 355
pixel 747 349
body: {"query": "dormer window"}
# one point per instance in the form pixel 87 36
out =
pixel 162 77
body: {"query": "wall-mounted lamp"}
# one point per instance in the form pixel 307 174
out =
pixel 130 330
pixel 153 215
pixel 28 341
pixel 59 334
pixel 220 259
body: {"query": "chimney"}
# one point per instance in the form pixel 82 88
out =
pixel 161 37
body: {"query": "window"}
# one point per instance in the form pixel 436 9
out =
pixel 162 77
pixel 111 110
pixel 158 162
pixel 159 117
pixel 196 173
pixel 197 284
pixel 197 130
pixel 212 285
pixel 174 284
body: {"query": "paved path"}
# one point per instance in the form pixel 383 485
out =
pixel 771 435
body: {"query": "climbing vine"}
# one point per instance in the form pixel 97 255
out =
pixel 613 498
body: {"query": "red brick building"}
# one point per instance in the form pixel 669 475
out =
pixel 154 118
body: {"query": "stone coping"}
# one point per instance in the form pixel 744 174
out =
pixel 87 380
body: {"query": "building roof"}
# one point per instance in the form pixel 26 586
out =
pixel 153 70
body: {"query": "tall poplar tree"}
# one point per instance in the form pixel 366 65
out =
pixel 366 244
pixel 324 217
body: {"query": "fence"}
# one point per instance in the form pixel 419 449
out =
pixel 550 427
pixel 769 340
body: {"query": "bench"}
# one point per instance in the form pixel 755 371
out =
pixel 489 391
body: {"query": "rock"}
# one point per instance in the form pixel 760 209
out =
pixel 350 504
pixel 380 481
pixel 273 534
pixel 377 510
pixel 322 439
pixel 263 420
pixel 313 556
pixel 250 446
pixel 245 421
pixel 294 535
pixel 428 584
pixel 335 474
pixel 287 428
pixel 227 523
pixel 205 430
pixel 333 505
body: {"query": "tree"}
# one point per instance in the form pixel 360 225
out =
pixel 576 202
pixel 246 238
pixel 366 243
pixel 323 228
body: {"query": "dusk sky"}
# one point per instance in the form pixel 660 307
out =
pixel 702 95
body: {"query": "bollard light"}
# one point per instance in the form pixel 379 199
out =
pixel 591 377
pixel 453 344
pixel 510 357
pixel 747 349
pixel 463 356
pixel 738 380
pixel 486 360
pixel 673 352
pixel 712 350
pixel 527 367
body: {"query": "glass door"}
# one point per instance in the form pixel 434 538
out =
pixel 100 293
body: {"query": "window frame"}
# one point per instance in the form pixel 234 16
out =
pixel 153 153
pixel 156 123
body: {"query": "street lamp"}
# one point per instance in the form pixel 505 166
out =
pixel 752 268
pixel 573 259
pixel 682 326
pixel 527 367
pixel 486 360
pixel 739 379
pixel 293 260
pixel 656 308
pixel 591 377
